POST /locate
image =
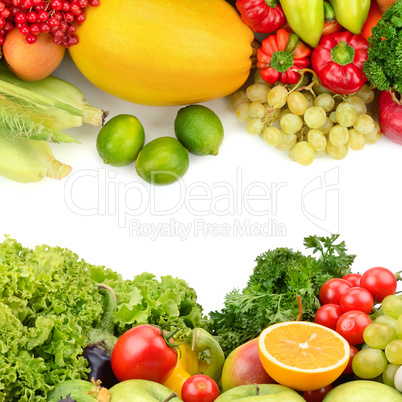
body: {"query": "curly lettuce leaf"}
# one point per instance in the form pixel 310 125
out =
pixel 145 299
pixel 48 304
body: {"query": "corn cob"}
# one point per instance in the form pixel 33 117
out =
pixel 28 161
pixel 53 103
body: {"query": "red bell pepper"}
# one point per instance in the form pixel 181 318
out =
pixel 338 62
pixel 280 55
pixel 262 16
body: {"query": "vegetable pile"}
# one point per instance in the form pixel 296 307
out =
pixel 74 331
pixel 50 304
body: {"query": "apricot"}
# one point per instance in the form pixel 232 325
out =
pixel 32 62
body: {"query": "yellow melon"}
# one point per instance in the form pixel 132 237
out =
pixel 164 52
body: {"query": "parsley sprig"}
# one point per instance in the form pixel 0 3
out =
pixel 270 294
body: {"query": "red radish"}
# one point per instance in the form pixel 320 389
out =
pixel 390 117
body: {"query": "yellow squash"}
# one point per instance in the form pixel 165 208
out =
pixel 164 52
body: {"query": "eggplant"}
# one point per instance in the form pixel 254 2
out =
pixel 100 364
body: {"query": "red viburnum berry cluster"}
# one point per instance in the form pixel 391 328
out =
pixel 58 17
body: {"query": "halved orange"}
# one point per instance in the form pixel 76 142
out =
pixel 303 355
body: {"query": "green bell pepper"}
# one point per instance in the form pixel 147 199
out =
pixel 351 14
pixel 306 18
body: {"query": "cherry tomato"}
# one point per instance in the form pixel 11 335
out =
pixel 316 395
pixel 142 353
pixel 328 315
pixel 332 290
pixel 357 298
pixel 353 279
pixel 199 388
pixel 380 282
pixel 348 369
pixel 351 326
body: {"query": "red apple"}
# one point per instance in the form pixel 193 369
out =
pixel 390 117
pixel 243 366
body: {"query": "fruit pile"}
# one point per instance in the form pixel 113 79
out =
pixel 31 17
pixel 343 49
pixel 374 336
pixel 382 352
pixel 308 123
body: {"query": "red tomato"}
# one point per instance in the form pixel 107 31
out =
pixel 380 282
pixel 332 290
pixel 142 353
pixel 353 279
pixel 351 326
pixel 199 388
pixel 348 369
pixel 357 298
pixel 328 315
pixel 316 395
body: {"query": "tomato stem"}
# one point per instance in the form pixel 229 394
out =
pixel 167 336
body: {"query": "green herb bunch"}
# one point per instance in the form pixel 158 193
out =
pixel 270 294
pixel 383 67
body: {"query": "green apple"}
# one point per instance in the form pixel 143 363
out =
pixel 141 391
pixel 363 391
pixel 260 393
pixel 243 366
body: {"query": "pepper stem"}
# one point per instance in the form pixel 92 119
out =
pixel 271 3
pixel 202 340
pixel 281 61
pixel 342 53
pixel 329 13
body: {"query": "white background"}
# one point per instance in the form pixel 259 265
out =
pixel 105 214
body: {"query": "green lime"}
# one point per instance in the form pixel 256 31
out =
pixel 162 161
pixel 199 129
pixel 120 140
